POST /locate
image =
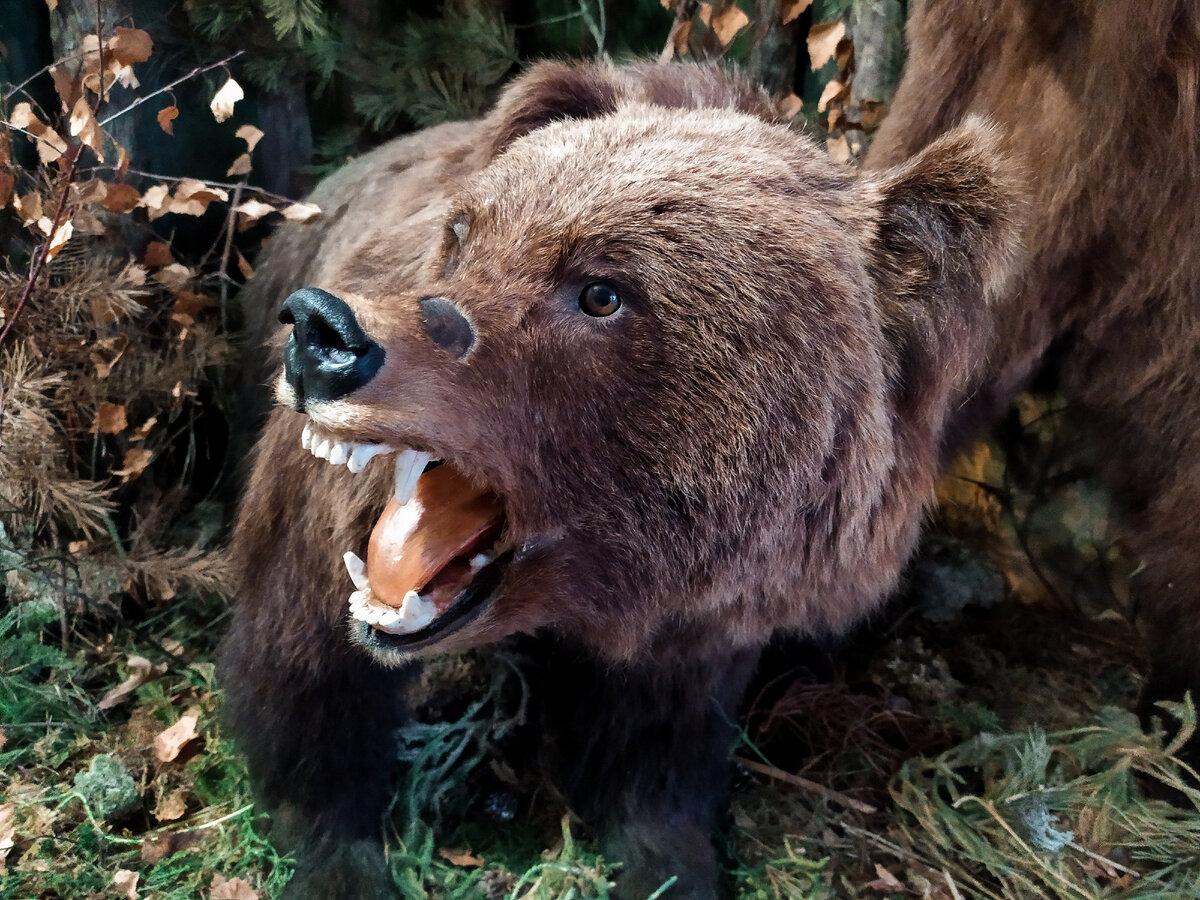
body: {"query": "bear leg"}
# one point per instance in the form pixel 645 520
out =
pixel 642 753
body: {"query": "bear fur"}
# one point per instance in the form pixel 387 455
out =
pixel 749 445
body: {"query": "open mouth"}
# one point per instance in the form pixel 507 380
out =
pixel 435 557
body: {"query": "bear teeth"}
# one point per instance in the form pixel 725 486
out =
pixel 409 466
pixel 414 613
pixel 351 454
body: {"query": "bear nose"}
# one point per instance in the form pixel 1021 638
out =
pixel 328 355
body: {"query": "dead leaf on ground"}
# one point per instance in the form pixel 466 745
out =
pixel 885 881
pixel 839 150
pixel 166 117
pixel 160 846
pixel 29 207
pixel 174 276
pixel 171 806
pixel 823 39
pixel 231 889
pixel 110 418
pixel 140 672
pixel 461 858
pixel 224 100
pixel 170 741
pixel 8 812
pixel 142 431
pixel 126 881
pixel 728 22
pixel 791 9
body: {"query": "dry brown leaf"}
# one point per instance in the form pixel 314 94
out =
pixel 53 4
pixel 3 738
pixel 250 135
pixel 839 150
pixel 677 40
pixel 6 188
pixel 129 45
pixel 252 210
pixel 244 267
pixel 166 116
pixel 50 144
pixel 143 431
pixel 8 812
pixel 231 889
pixel 667 4
pixel 120 197
pixel 834 91
pixel 240 166
pixel 140 672
pixel 223 101
pixel 86 223
pixel 460 858
pixel 189 303
pixel 84 126
pixel 78 548
pixel 160 846
pixel 122 159
pixel 171 806
pixel 29 207
pixel 301 212
pixel 823 39
pixel 61 235
pixel 155 199
pixel 110 418
pixel 791 9
pixel 174 276
pixel 705 13
pixel 728 22
pixel 126 881
pixel 157 253
pixel 790 106
pixel 66 85
pixel 135 464
pixel 170 741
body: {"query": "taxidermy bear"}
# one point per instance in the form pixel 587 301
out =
pixel 649 375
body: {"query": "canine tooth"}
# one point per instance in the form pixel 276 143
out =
pixel 306 436
pixel 357 569
pixel 409 466
pixel 338 454
pixel 479 560
pixel 322 448
pixel 363 454
pixel 413 615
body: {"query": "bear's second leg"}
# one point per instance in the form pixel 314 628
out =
pixel 642 752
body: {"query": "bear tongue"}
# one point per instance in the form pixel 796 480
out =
pixel 447 518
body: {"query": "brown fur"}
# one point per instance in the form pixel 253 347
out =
pixel 750 444
pixel 1098 102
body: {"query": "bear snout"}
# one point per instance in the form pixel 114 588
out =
pixel 328 355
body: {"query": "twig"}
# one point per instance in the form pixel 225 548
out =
pixel 199 70
pixel 230 222
pixel 801 782
pixel 227 185
pixel 950 884
pixel 38 74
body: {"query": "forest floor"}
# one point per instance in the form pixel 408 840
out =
pixel 976 741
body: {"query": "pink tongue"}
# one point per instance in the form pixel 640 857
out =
pixel 454 519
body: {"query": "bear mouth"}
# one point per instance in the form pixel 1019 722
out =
pixel 436 556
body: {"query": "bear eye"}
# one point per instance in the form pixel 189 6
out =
pixel 599 300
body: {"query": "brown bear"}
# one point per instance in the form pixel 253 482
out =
pixel 653 378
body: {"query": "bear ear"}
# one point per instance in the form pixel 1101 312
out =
pixel 548 92
pixel 947 221
pixel 944 244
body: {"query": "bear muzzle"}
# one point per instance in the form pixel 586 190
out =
pixel 328 355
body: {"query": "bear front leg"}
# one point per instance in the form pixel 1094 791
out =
pixel 642 753
pixel 313 714
pixel 318 738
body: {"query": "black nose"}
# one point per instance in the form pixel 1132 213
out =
pixel 328 354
